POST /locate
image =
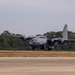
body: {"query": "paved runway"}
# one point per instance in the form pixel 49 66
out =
pixel 37 66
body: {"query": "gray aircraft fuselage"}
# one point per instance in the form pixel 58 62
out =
pixel 38 41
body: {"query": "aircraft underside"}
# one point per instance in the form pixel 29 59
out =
pixel 49 47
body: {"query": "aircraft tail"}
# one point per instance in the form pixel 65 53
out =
pixel 65 33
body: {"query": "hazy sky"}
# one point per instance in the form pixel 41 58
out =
pixel 31 17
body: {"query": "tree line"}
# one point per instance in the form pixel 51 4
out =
pixel 8 42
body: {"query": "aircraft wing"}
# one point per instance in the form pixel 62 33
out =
pixel 69 40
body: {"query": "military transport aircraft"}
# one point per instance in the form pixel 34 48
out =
pixel 43 42
pixel 46 43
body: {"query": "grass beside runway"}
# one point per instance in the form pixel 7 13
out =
pixel 5 53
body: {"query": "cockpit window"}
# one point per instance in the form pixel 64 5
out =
pixel 42 37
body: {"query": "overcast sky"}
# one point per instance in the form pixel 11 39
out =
pixel 31 17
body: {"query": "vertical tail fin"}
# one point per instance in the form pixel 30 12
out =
pixel 65 33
